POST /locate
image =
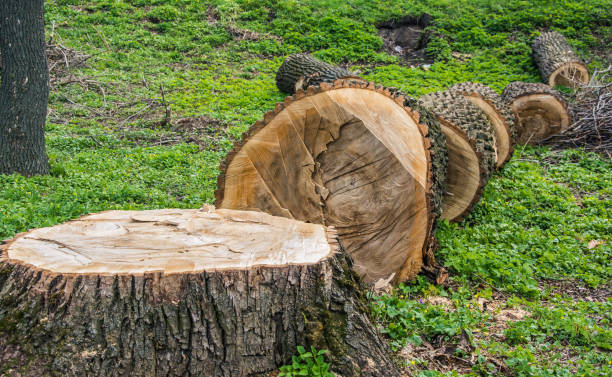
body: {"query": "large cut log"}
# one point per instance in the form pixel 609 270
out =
pixel 471 151
pixel 540 110
pixel 558 63
pixel 299 71
pixel 348 154
pixel 500 116
pixel 181 292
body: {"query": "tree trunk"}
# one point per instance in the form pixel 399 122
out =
pixel 349 155
pixel 558 63
pixel 498 112
pixel 471 151
pixel 181 292
pixel 541 111
pixel 24 88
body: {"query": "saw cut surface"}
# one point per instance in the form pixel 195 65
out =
pixel 471 150
pixel 497 111
pixel 348 157
pixel 463 177
pixel 541 111
pixel 171 241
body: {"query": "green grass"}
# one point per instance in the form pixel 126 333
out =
pixel 217 58
pixel 533 226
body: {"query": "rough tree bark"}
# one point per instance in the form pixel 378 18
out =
pixel 540 110
pixel 500 116
pixel 471 151
pixel 299 71
pixel 181 293
pixel 24 88
pixel 348 154
pixel 558 63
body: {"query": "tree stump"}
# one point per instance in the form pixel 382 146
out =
pixel 557 61
pixel 181 292
pixel 471 151
pixel 348 154
pixel 540 110
pixel 500 116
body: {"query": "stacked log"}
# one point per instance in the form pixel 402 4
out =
pixel 471 151
pixel 501 117
pixel 557 61
pixel 181 292
pixel 540 110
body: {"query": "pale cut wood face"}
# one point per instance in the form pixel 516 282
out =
pixel 171 241
pixel 569 74
pixel 462 176
pixel 351 158
pixel 501 142
pixel 539 115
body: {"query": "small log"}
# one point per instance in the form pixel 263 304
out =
pixel 299 71
pixel 500 116
pixel 557 61
pixel 348 154
pixel 471 151
pixel 181 292
pixel 540 110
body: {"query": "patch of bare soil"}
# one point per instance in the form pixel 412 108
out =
pixel 407 39
pixel 577 290
pixel 240 34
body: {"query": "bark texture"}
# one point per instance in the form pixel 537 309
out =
pixel 299 71
pixel 557 61
pixel 500 116
pixel 24 88
pixel 540 110
pixel 228 322
pixel 471 152
pixel 325 156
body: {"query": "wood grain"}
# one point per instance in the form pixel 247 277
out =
pixel 347 155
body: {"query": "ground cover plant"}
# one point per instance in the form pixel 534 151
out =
pixel 148 95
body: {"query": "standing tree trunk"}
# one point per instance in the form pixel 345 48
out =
pixel 215 293
pixel 24 88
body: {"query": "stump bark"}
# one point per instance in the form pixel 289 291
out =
pixel 471 151
pixel 498 112
pixel 557 61
pixel 181 292
pixel 540 110
pixel 348 154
